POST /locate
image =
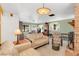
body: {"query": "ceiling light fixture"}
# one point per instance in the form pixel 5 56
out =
pixel 43 10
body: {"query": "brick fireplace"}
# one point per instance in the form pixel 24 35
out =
pixel 76 29
pixel 75 52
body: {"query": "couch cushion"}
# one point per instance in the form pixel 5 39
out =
pixel 34 36
pixel 39 42
pixel 31 37
pixel 45 37
pixel 7 48
pixel 38 36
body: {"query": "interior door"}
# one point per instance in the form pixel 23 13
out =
pixel 1 13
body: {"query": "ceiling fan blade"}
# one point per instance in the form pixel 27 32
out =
pixel 52 15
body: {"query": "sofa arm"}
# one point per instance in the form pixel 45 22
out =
pixel 23 46
pixel 45 37
pixel 29 40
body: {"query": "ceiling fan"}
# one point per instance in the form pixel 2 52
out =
pixel 45 11
pixel 51 15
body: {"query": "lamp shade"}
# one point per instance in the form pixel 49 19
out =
pixel 18 32
pixel 43 11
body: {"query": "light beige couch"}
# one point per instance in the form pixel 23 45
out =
pixel 37 39
pixel 23 46
pixel 8 49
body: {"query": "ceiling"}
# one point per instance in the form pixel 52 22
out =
pixel 27 11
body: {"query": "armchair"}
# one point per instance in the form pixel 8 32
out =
pixel 56 41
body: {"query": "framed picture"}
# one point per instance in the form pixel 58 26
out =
pixel 55 26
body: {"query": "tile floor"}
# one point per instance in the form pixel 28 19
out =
pixel 48 51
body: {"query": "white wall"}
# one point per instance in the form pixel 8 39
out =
pixel 9 26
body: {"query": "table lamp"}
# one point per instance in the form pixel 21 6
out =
pixel 18 33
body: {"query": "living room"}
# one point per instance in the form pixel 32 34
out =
pixel 28 31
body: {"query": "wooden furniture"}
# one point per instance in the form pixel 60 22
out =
pixel 20 42
pixel 46 29
pixel 72 23
pixel 64 36
pixel 18 33
pixel 71 40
